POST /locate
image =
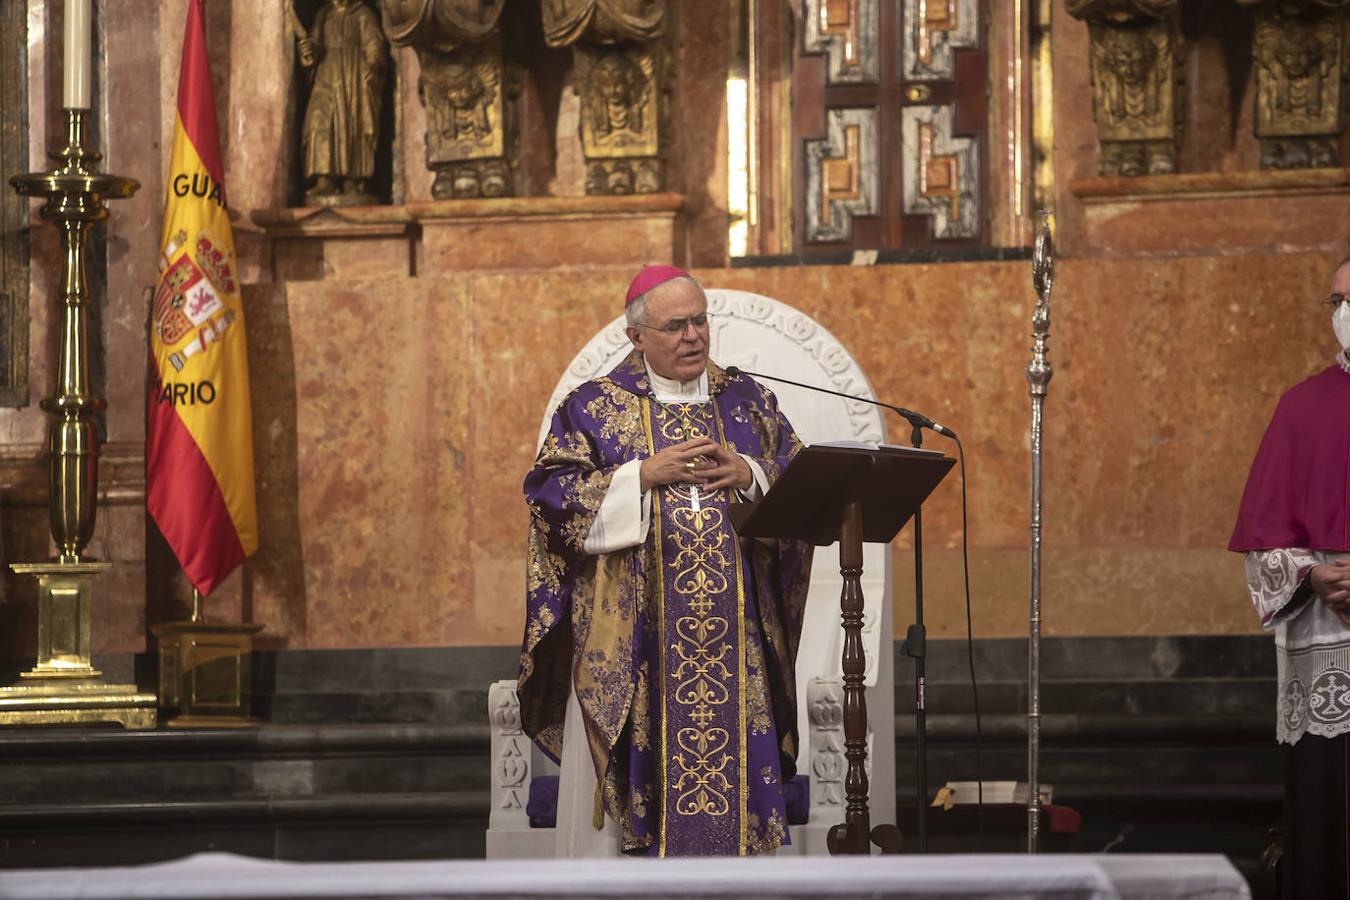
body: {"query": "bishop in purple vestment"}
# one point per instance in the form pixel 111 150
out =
pixel 677 637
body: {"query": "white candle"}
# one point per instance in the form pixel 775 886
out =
pixel 79 62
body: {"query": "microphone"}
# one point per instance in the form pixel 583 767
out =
pixel 918 420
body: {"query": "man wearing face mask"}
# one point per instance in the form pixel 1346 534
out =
pixel 1293 528
pixel 661 641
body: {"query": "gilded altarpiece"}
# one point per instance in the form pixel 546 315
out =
pixel 13 208
pixel 890 109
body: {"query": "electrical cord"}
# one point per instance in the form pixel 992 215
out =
pixel 970 643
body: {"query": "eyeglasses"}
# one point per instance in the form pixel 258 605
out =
pixel 1334 300
pixel 679 326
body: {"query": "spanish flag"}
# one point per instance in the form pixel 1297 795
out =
pixel 199 427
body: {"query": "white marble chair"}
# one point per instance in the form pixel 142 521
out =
pixel 764 335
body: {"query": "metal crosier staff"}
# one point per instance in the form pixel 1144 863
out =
pixel 1038 373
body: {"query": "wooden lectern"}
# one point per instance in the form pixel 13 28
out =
pixel 848 494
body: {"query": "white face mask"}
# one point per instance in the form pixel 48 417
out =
pixel 1340 323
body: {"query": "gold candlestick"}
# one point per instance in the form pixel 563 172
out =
pixel 63 686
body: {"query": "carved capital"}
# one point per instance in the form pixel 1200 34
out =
pixel 470 96
pixel 1299 53
pixel 1119 10
pixel 466 88
pixel 602 21
pixel 439 24
pixel 623 90
pixel 1137 88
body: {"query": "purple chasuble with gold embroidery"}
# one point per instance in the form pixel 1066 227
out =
pixel 681 649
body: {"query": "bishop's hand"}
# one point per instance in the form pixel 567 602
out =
pixel 683 463
pixel 726 469
pixel 1331 582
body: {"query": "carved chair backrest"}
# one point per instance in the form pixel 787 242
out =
pixel 765 335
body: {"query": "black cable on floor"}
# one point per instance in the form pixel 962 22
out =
pixel 970 644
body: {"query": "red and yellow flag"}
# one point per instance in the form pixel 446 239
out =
pixel 199 427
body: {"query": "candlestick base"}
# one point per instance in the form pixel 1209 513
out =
pixel 62 687
pixel 67 702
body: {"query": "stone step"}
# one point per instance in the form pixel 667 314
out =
pixel 1192 697
pixel 439 825
pixel 1076 728
pixel 1177 657
pixel 1199 766
pixel 272 761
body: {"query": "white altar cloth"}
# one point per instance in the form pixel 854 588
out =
pixel 1061 877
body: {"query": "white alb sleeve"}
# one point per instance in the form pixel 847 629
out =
pixel 625 513
pixel 759 485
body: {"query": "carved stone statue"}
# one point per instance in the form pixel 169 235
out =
pixel 467 89
pixel 622 81
pixel 1136 83
pixel 1298 55
pixel 348 55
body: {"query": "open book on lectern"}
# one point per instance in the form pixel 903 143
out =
pixel 808 500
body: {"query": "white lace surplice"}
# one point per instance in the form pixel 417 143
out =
pixel 1312 644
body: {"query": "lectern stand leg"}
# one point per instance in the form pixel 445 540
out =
pixel 856 835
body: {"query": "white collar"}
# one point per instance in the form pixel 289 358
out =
pixel 1342 360
pixel 669 390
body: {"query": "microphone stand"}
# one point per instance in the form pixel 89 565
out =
pixel 915 636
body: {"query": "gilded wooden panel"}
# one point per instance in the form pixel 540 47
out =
pixel 13 208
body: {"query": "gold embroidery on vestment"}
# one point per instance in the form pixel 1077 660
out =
pixel 740 666
pixel 661 624
pixel 703 750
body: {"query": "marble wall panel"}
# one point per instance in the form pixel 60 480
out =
pixel 1246 217
pixel 526 240
pixel 27 426
pixel 360 431
pixel 130 30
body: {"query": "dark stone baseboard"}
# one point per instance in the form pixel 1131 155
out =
pixel 1164 744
